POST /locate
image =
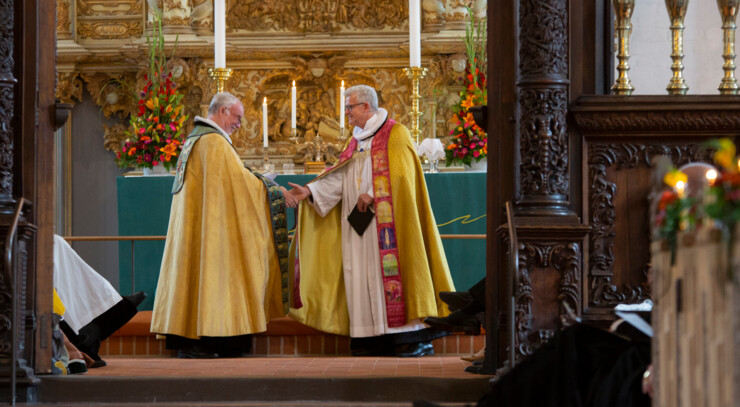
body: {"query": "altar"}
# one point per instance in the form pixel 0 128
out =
pixel 458 201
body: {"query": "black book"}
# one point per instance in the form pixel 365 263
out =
pixel 360 220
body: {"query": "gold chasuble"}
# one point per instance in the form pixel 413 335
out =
pixel 220 272
pixel 318 294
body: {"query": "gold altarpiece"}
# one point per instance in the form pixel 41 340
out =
pixel 318 43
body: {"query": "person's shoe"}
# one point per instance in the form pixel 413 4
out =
pixel 424 403
pixel 477 355
pixel 414 350
pixel 196 352
pixel 455 300
pixel 136 298
pixel 458 321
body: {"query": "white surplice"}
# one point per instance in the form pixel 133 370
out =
pixel 84 293
pixel 363 282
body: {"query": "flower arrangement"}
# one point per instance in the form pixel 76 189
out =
pixel 155 136
pixel 722 201
pixel 675 210
pixel 469 142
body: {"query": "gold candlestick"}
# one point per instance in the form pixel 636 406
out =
pixel 220 75
pixel 623 11
pixel 265 160
pixel 728 11
pixel 415 73
pixel 677 12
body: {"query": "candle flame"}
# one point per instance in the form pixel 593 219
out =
pixel 294 84
pixel 711 176
pixel 342 83
pixel 265 102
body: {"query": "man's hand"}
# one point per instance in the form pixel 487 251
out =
pixel 295 195
pixel 364 202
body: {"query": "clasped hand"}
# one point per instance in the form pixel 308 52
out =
pixel 295 195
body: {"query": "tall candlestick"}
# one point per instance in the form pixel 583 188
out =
pixel 414 33
pixel 292 106
pixel 264 123
pixel 341 106
pixel 219 32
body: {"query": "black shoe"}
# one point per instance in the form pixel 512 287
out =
pixel 196 352
pixel 414 350
pixel 136 298
pixel 424 403
pixel 455 299
pixel 458 321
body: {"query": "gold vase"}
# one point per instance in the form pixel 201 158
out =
pixel 728 12
pixel 677 12
pixel 623 12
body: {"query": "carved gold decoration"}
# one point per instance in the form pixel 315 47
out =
pixel 112 92
pixel 728 11
pixel 63 21
pixel 114 137
pixel 677 13
pixel 109 7
pixel 110 29
pixel 110 45
pixel 623 11
pixel 317 15
pixel 69 86
pixel 201 15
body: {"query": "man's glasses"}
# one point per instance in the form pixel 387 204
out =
pixel 349 108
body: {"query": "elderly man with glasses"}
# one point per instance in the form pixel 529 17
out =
pixel 226 245
pixel 367 255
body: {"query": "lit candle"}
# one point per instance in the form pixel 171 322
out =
pixel 680 188
pixel 414 33
pixel 264 123
pixel 219 32
pixel 711 176
pixel 292 107
pixel 341 106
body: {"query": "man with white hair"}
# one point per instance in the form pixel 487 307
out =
pixel 385 280
pixel 225 257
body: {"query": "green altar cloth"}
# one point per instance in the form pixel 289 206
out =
pixel 458 201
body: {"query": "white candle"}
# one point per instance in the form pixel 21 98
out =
pixel 219 32
pixel 292 107
pixel 341 106
pixel 264 123
pixel 414 33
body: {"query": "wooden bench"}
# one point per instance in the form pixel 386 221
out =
pixel 283 337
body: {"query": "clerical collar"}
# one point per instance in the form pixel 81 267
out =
pixel 211 123
pixel 371 126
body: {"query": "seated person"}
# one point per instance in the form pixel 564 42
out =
pixel 93 308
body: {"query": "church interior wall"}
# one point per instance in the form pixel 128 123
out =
pixel 94 208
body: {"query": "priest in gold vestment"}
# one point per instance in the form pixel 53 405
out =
pixel 226 244
pixel 378 284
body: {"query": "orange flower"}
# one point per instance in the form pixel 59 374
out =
pixel 168 109
pixel 468 102
pixel 145 138
pixel 469 118
pixel 131 150
pixel 150 104
pixel 169 150
pixel 452 146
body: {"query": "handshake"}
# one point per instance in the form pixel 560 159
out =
pixel 295 195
